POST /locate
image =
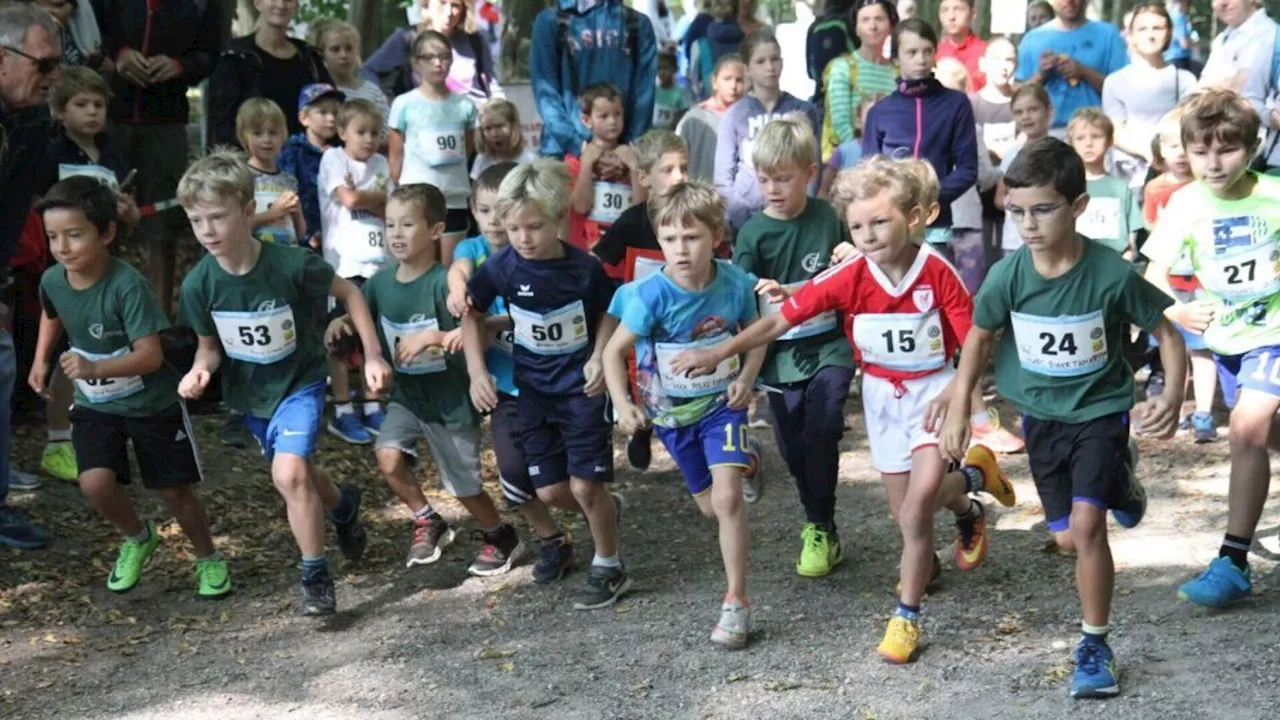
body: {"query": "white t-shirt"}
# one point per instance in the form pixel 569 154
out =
pixel 1235 51
pixel 435 142
pixel 484 162
pixel 354 240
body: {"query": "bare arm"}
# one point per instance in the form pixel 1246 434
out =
pixel 144 358
pixel 973 358
pixel 395 153
pixel 374 201
pixel 208 354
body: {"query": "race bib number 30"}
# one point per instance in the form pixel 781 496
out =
pixel 443 146
pixel 106 389
pixel 679 386
pixel 901 341
pixel 608 201
pixel 558 332
pixel 816 325
pixel 1065 346
pixel 1240 274
pixel 260 337
pixel 430 360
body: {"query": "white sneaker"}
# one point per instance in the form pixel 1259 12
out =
pixel 753 477
pixel 734 626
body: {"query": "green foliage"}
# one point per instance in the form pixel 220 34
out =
pixel 310 10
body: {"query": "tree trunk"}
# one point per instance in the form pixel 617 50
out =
pixel 366 15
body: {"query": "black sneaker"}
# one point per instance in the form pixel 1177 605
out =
pixel 352 539
pixel 500 551
pixel 317 596
pixel 554 560
pixel 431 535
pixel 604 586
pixel 234 433
pixel 640 449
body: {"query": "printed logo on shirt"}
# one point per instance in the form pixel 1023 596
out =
pixel 98 332
pixel 1237 232
pixel 417 318
pixel 923 297
pixel 525 291
pixel 266 305
pixel 813 262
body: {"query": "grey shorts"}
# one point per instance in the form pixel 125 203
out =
pixel 456 452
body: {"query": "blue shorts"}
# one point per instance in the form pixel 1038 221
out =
pixel 719 439
pixel 294 426
pixel 565 436
pixel 1258 369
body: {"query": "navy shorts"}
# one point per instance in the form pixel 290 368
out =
pixel 719 439
pixel 1077 462
pixel 1258 369
pixel 513 469
pixel 565 436
pixel 294 426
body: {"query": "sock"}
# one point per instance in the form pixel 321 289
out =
pixel 612 561
pixel 426 512
pixel 311 567
pixel 981 419
pixel 144 536
pixel 972 514
pixel 1236 548
pixel 730 598
pixel 372 407
pixel 973 478
pixel 1094 633
pixel 910 612
pixel 59 435
pixel 346 408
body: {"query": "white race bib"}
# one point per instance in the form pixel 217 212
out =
pixel 558 332
pixel 999 137
pixel 816 325
pixel 646 266
pixel 280 232
pixel 106 389
pixel 97 172
pixel 1242 274
pixel 1064 346
pixel 362 238
pixel 608 201
pixel 443 146
pixel 261 337
pixel 1101 220
pixel 679 386
pixel 901 341
pixel 663 116
pixel 430 360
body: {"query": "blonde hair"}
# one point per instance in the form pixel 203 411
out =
pixel 215 177
pixel 469 24
pixel 785 141
pixel 358 107
pixel 1095 118
pixel 258 112
pixel 874 175
pixel 543 184
pixel 654 144
pixel 508 113
pixel 323 26
pixel 926 177
pixel 688 202
pixel 952 74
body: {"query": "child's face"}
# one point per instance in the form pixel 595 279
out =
pixel 220 224
pixel 915 56
pixel 667 71
pixel 784 188
pixel 1090 143
pixel 999 62
pixel 74 241
pixel 263 143
pixel 340 53
pixel 409 235
pixel 605 119
pixel 1045 218
pixel 688 247
pixel 61 10
pixel 320 118
pixel 955 16
pixel 729 84
pixel 879 228
pixel 765 67
pixel 85 114
pixel 1032 117
pixel 484 207
pixel 496 132
pixel 534 235
pixel 1175 157
pixel 360 137
pixel 671 168
pixel 1219 164
pixel 433 63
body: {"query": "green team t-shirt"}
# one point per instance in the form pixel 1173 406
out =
pixel 434 386
pixel 103 321
pixel 1234 246
pixel 792 252
pixel 1061 354
pixel 270 322
pixel 1113 213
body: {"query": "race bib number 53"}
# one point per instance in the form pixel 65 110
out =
pixel 1065 346
pixel 260 337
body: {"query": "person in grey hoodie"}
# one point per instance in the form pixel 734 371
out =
pixel 734 175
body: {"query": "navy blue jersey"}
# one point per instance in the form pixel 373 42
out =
pixel 555 306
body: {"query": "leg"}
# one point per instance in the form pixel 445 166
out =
pixel 110 501
pixel 324 486
pixel 915 520
pixel 1251 423
pixel 346 423
pixel 188 509
pixel 602 518
pixel 59 458
pixel 731 515
pixel 1095 571
pixel 292 477
pixel 1204 379
pixel 400 478
pixel 823 426
pixel 787 409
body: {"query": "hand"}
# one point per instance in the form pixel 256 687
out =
pixel 337 330
pixel 411 346
pixel 286 202
pixel 739 394
pixel 1195 316
pixel 163 68
pixel 1048 62
pixel 314 242
pixel 457 303
pixel 127 209
pixel 193 384
pixel 484 393
pixel 773 290
pixel 452 342
pixel 132 66
pixel 1157 417
pixel 842 252
pixel 627 155
pixel 953 441
pixel 1069 68
pixel 935 412
pixel 591 152
pixel 593 374
pixel 377 374
pixel 695 363
pixel 631 418
pixel 77 367
pixel 37 378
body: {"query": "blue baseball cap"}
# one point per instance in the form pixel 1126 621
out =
pixel 316 92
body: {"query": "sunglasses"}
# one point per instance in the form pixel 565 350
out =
pixel 44 66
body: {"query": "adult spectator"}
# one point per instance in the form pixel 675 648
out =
pixel 160 51
pixel 793 37
pixel 30 55
pixel 1137 96
pixel 1071 56
pixel 578 43
pixel 959 41
pixel 829 37
pixel 78 31
pixel 1038 13
pixel 664 25
pixel 472 71
pixel 1246 43
pixel 747 16
pixel 859 77
pixel 1181 53
pixel 267 64
pixel 691 28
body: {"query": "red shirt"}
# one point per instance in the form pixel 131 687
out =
pixel 1155 196
pixel 611 200
pixel 898 333
pixel 968 53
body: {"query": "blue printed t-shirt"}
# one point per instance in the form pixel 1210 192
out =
pixel 1096 45
pixel 667 319
pixel 554 305
pixel 498 355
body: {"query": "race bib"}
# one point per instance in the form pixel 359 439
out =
pixel 106 389
pixel 1101 220
pixel 640 264
pixel 280 232
pixel 362 238
pixel 663 116
pixel 816 325
pixel 608 201
pixel 1240 274
pixel 261 337
pixel 647 266
pixel 503 341
pixel 1064 346
pixel 559 332
pixel 909 342
pixel 97 172
pixel 430 360
pixel 679 386
pixel 443 146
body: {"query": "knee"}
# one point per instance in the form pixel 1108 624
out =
pixel 706 505
pixel 558 495
pixel 1064 541
pixel 587 493
pixel 290 476
pixel 1088 526
pixel 914 521
pixel 1246 432
pixel 726 500
pixel 390 460
pixel 98 483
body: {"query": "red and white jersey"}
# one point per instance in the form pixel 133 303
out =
pixel 909 330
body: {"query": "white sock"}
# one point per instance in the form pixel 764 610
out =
pixel 371 408
pixel 345 408
pixel 611 561
pixel 59 435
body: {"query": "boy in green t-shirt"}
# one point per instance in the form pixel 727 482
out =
pixel 123 389
pixel 1227 223
pixel 1113 216
pixel 1062 307
pixel 808 370
pixel 263 305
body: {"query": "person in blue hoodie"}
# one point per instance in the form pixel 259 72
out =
pixel 724 35
pixel 562 64
pixel 923 119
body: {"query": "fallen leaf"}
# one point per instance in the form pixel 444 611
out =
pixel 506 666
pixel 492 654
pixel 782 685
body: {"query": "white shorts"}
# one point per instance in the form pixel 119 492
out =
pixel 895 419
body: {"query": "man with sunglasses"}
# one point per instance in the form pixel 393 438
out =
pixel 30 54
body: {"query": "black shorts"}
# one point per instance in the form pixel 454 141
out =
pixel 565 436
pixel 457 221
pixel 1077 462
pixel 162 443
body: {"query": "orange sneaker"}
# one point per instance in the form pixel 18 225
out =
pixel 971 542
pixel 994 482
pixel 994 436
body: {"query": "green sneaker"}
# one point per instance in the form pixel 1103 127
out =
pixel 133 556
pixel 820 553
pixel 59 461
pixel 214 578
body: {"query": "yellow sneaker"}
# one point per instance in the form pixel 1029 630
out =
pixel 59 461
pixel 820 552
pixel 994 481
pixel 901 639
pixel 994 436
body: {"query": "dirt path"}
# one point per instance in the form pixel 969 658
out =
pixel 435 643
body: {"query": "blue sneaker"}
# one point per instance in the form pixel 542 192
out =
pixel 1131 506
pixel 1203 428
pixel 1219 585
pixel 373 422
pixel 351 428
pixel 17 530
pixel 1095 675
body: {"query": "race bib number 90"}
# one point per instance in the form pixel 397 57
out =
pixel 260 337
pixel 102 390
pixel 443 146
pixel 901 341
pixel 558 332
pixel 1066 346
pixel 608 201
pixel 679 386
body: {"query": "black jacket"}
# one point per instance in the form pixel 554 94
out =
pixel 24 142
pixel 186 30
pixel 238 78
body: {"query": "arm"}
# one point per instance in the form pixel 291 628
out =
pixel 593 371
pixel 583 194
pixel 352 199
pixel 375 368
pixel 963 157
pixel 459 273
pixel 954 438
pixel 395 153
pixel 1256 88
pixel 145 358
pixel 643 71
pixel 842 99
pixel 272 215
pixel 208 359
pixel 871 132
pixel 50 333
pixel 560 134
pixel 484 393
pixel 1159 415
pixel 630 417
pixel 727 149
pixel 758 335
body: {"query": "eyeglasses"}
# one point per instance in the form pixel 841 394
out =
pixel 443 57
pixel 1039 213
pixel 44 66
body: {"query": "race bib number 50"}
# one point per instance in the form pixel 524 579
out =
pixel 260 337
pixel 1065 346
pixel 558 332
